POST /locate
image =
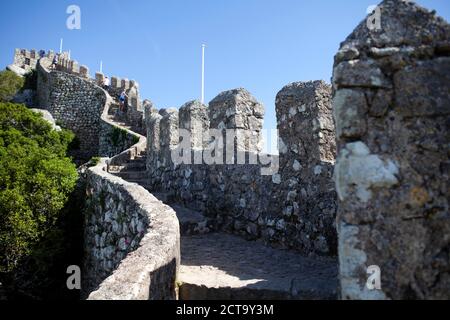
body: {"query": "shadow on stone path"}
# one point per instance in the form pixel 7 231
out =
pixel 222 266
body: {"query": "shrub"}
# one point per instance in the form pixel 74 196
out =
pixel 10 85
pixel 36 179
pixel 94 161
pixel 135 139
pixel 118 136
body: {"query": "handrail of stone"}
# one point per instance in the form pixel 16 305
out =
pixel 149 272
pixel 131 152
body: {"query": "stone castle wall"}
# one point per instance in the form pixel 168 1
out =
pixel 75 103
pixel 249 199
pixel 78 104
pixel 65 64
pixel 28 59
pixel 392 107
pixel 135 107
pixel 307 153
pixel 131 239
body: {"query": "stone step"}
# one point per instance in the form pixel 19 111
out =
pixel 143 182
pixel 218 266
pixel 192 222
pixel 139 158
pixel 134 166
pixel 132 176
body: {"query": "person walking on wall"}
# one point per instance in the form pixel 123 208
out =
pixel 122 99
pixel 106 83
pixel 55 61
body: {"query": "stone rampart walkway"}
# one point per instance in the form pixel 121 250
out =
pixel 222 266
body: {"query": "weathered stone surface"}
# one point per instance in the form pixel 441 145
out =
pixel 392 177
pixel 423 89
pixel 403 23
pixel 194 118
pixel 131 241
pixel 218 266
pixel 357 171
pixel 238 109
pixel 360 73
pixel 192 222
pixel 350 108
pixel 306 193
pixel 26 60
pixel 76 103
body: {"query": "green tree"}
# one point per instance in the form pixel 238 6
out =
pixel 36 179
pixel 10 85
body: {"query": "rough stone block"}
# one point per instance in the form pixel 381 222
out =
pixel 99 78
pixel 169 135
pixel 392 171
pixel 238 110
pixel 125 84
pixel 194 118
pixel 84 71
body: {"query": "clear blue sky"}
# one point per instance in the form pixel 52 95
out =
pixel 258 44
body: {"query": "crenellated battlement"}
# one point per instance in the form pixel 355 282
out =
pixel 116 83
pixel 27 59
pixel 232 122
pixel 208 157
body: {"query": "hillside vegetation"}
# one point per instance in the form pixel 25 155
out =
pixel 36 180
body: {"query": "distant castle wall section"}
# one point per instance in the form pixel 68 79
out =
pixel 74 102
pixel 28 59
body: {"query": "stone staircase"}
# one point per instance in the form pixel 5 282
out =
pixel 134 170
pixel 221 266
pixel 118 117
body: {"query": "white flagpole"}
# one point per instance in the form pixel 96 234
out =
pixel 61 46
pixel 101 66
pixel 203 73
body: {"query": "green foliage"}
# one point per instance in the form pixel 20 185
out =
pixel 118 135
pixel 75 144
pixel 135 139
pixel 94 161
pixel 36 179
pixel 10 85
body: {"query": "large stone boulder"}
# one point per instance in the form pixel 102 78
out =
pixel 47 117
